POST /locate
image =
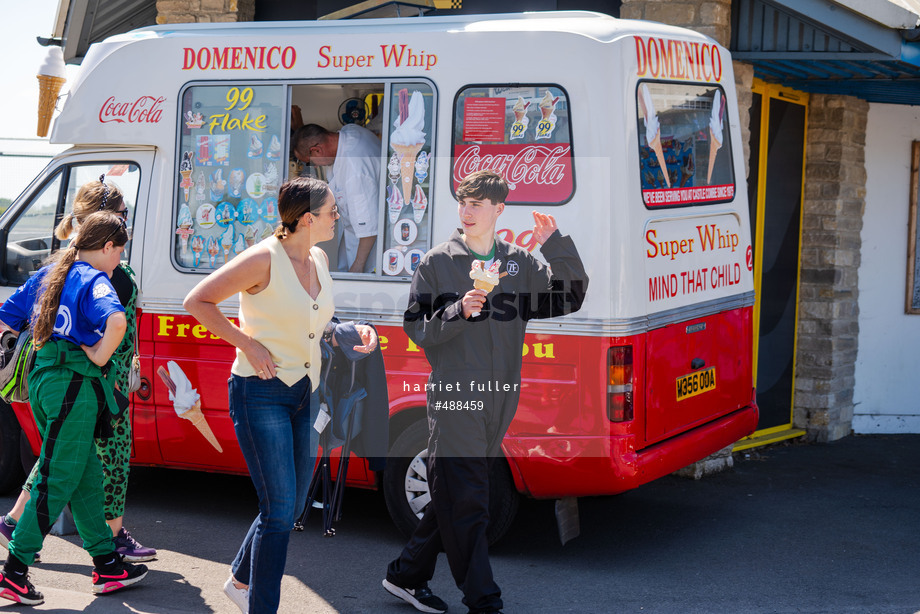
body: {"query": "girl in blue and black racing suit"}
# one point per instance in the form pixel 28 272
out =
pixel 77 323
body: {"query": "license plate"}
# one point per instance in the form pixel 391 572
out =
pixel 696 383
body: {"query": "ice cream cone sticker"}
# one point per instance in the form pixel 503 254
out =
pixel 226 242
pixel 547 121
pixel 185 169
pixel 408 138
pixel 484 279
pixel 186 400
pixel 51 78
pixel 521 121
pixel 419 204
pixel 394 203
pixel 197 248
pixel 653 130
pixel 184 228
pixel 715 131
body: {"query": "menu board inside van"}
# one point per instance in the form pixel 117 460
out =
pixel 522 133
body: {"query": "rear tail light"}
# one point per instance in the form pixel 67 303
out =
pixel 619 383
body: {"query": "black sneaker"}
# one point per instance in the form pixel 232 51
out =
pixel 25 593
pixel 112 574
pixel 421 598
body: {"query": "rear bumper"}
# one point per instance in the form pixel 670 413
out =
pixel 586 466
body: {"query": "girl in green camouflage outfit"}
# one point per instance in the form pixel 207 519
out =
pixel 114 452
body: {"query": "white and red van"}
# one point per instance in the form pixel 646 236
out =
pixel 626 131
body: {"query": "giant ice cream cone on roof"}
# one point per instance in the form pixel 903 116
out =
pixel 653 132
pixel 408 137
pixel 51 78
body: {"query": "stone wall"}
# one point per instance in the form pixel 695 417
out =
pixel 834 202
pixel 204 11
pixel 709 17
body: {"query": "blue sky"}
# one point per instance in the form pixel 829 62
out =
pixel 21 22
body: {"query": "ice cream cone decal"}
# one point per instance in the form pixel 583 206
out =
pixel 51 78
pixel 519 127
pixel 213 250
pixel 186 401
pixel 226 242
pixel 421 167
pixel 715 131
pixel 185 169
pixel 653 130
pixel 184 229
pixel 394 203
pixel 197 248
pixel 547 123
pixel 408 138
pixel 484 279
pixel 419 204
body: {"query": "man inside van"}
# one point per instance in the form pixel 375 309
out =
pixel 353 158
pixel 472 340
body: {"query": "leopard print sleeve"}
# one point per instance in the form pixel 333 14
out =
pixel 125 285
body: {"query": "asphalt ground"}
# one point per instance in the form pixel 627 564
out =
pixel 831 528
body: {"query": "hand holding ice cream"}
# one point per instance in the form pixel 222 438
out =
pixel 484 281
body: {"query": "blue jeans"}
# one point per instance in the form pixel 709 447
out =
pixel 274 427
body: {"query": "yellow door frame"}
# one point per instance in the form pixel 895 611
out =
pixel 770 91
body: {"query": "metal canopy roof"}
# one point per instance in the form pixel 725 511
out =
pixel 88 21
pixel 820 46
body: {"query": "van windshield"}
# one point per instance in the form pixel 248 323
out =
pixel 685 154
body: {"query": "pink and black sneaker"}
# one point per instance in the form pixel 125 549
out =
pixel 112 574
pixel 15 585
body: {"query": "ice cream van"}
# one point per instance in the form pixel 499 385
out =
pixel 626 131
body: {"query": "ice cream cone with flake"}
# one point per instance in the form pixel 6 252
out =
pixel 715 131
pixel 187 401
pixel 408 138
pixel 51 78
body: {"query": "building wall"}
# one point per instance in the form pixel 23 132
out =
pixel 888 361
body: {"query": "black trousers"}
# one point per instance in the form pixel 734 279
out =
pixel 455 522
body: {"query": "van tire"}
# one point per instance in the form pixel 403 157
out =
pixel 411 448
pixel 11 473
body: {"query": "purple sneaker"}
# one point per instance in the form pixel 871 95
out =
pixel 6 532
pixel 130 550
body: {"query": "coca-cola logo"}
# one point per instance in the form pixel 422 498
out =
pixel 535 173
pixel 146 109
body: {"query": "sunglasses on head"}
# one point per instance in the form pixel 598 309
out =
pixel 123 226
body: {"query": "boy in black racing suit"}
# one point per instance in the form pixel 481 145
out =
pixel 473 341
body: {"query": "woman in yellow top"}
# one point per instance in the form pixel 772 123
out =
pixel 285 309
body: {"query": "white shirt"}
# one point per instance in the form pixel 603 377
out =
pixel 354 179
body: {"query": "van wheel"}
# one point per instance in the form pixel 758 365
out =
pixel 11 473
pixel 405 485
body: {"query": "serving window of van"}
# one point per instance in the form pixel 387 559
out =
pixel 685 154
pixel 371 141
pixel 30 238
pixel 523 132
